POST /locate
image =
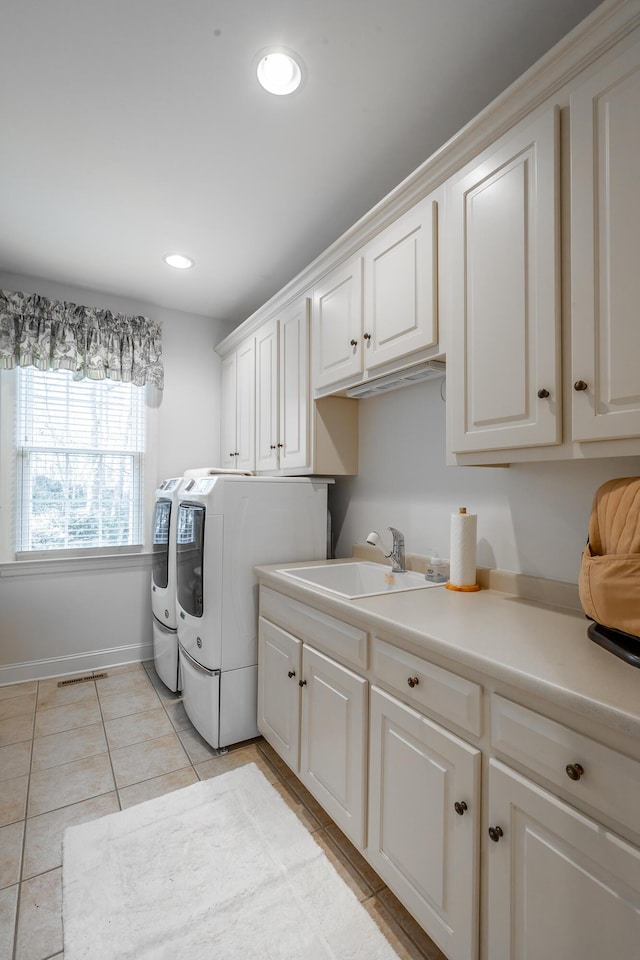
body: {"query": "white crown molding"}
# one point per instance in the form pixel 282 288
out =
pixel 606 26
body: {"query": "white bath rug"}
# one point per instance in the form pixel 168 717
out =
pixel 221 870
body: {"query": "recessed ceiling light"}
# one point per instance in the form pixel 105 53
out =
pixel 178 261
pixel 279 71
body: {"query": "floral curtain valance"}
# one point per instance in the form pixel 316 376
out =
pixel 56 335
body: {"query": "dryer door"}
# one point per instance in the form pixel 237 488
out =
pixel 161 526
pixel 189 556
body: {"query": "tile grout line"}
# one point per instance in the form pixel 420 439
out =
pixel 24 830
pixel 106 740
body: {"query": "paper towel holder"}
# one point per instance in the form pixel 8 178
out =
pixel 462 588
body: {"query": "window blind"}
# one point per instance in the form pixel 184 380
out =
pixel 79 468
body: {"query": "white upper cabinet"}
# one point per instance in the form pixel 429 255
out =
pixel 518 261
pixel 228 411
pixel 282 389
pixel 238 408
pixel 401 288
pixel 267 418
pixel 605 237
pixel 337 325
pixel 294 387
pixel 380 308
pixel 504 363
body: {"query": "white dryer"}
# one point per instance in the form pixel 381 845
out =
pixel 163 582
pixel 226 526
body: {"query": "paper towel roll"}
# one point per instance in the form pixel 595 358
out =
pixel 462 571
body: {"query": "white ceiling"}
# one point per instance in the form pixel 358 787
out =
pixel 134 128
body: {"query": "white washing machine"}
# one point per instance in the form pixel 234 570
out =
pixel 226 526
pixel 163 583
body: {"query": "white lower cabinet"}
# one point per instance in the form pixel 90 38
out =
pixel 539 864
pixel 279 658
pixel 333 746
pixel 313 712
pixel 424 819
pixel 560 884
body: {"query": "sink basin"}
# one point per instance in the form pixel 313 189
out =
pixel 358 579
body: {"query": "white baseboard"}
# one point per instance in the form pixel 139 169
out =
pixel 75 663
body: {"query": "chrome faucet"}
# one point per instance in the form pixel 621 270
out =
pixel 396 554
pixel 397 551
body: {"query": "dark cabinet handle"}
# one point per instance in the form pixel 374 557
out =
pixel 354 343
pixel 280 446
pixel 302 683
pixel 291 673
pixel 460 808
pixel 413 681
pixel 495 833
pixel 367 336
pixel 543 393
pixel 580 385
pixel 574 771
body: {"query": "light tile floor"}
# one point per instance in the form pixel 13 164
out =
pixel 72 754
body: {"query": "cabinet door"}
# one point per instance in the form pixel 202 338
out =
pixel 334 744
pixel 605 236
pixel 504 370
pixel 228 412
pixel 337 325
pixel 279 658
pixel 423 849
pixel 560 884
pixel 294 385
pixel 267 393
pixel 400 287
pixel 245 406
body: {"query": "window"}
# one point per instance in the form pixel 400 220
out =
pixel 79 464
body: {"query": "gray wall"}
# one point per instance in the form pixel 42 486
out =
pixel 61 621
pixel 532 518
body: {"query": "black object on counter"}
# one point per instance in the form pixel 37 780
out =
pixel 623 645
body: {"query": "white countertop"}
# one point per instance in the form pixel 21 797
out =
pixel 542 649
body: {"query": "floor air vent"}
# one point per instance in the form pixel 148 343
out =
pixel 92 676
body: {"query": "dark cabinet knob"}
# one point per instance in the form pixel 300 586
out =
pixel 413 681
pixel 280 446
pixel 354 343
pixel 367 336
pixel 580 385
pixel 460 808
pixel 302 683
pixel 273 446
pixel 495 833
pixel 291 673
pixel 574 771
pixel 543 393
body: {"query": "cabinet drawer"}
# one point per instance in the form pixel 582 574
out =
pixel 451 697
pixel 609 782
pixel 333 636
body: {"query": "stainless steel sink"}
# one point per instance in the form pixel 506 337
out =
pixel 358 579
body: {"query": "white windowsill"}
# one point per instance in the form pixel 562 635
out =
pixel 120 561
